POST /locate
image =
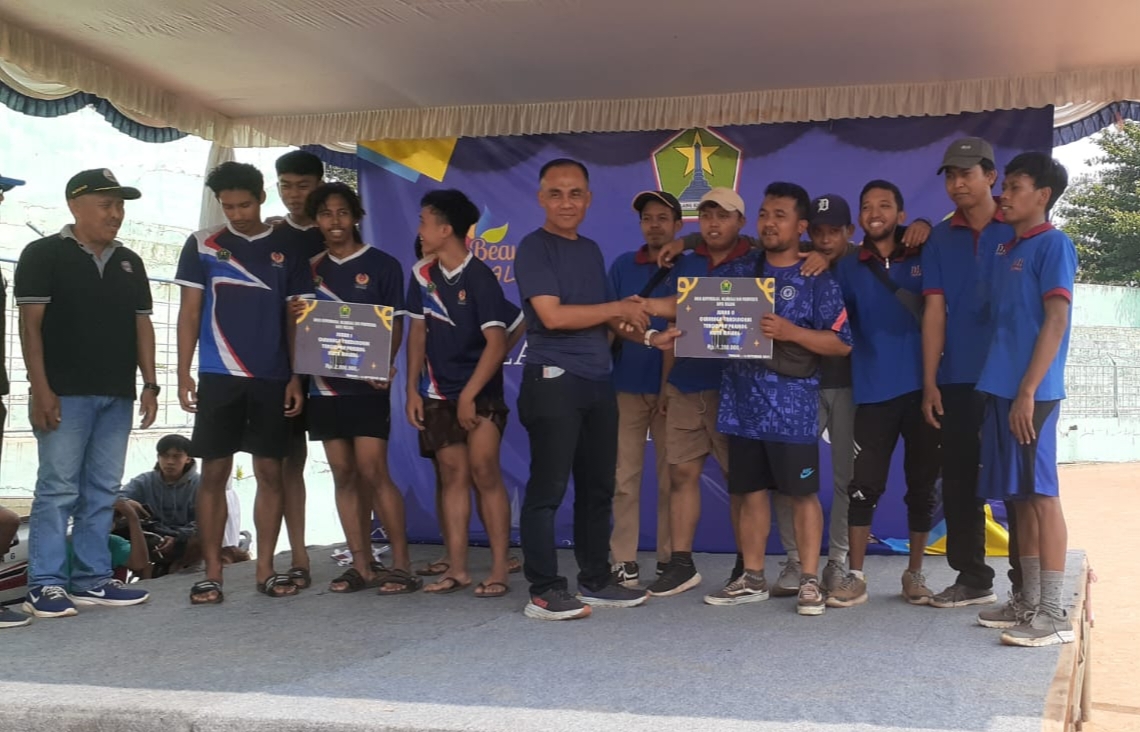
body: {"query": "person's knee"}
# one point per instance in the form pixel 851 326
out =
pixel 9 521
pixel 862 503
pixel 685 476
pixel 343 475
pixel 920 510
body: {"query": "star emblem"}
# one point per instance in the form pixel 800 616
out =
pixel 690 153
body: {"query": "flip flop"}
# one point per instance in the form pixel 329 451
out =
pixel 354 580
pixel 205 587
pixel 488 592
pixel 409 584
pixel 514 566
pixel 448 585
pixel 434 569
pixel 301 578
pixel 271 583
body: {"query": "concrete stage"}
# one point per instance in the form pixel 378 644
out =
pixel 419 662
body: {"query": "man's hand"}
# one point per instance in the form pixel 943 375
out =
pixel 776 328
pixel 932 406
pixel 130 508
pixel 148 408
pixel 296 307
pixel 382 385
pixel 916 234
pixel 45 412
pixel 814 263
pixel 166 545
pixel 664 340
pixel 415 409
pixel 663 404
pixel 669 252
pixel 294 398
pixel 187 393
pixel 1021 419
pixel 635 311
pixel 465 411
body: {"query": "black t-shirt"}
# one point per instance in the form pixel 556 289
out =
pixel 90 335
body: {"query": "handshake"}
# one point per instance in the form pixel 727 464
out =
pixel 632 316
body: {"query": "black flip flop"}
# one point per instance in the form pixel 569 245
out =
pixel 488 592
pixel 205 587
pixel 432 569
pixel 409 584
pixel 450 585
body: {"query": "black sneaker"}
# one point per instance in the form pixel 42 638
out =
pixel 675 579
pixel 612 595
pixel 556 605
pixel 661 568
pixel 626 574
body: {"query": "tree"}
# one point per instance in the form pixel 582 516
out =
pixel 1101 212
pixel 334 174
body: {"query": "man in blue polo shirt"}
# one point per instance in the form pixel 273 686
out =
pixel 1023 381
pixel 692 394
pixel 882 288
pixel 956 329
pixel 566 399
pixel 771 418
pixel 235 282
pixel 85 328
pixel 638 379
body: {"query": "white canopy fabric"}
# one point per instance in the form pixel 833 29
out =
pixel 269 72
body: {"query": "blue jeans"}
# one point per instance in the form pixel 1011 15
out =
pixel 81 470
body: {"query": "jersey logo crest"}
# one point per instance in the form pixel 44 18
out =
pixel 223 255
pixel 127 267
pixel 277 257
pixel 1018 265
pixel 787 292
pixel 362 280
pixel 462 296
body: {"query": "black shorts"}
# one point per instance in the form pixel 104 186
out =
pixel 240 414
pixel 441 421
pixel 790 468
pixel 349 416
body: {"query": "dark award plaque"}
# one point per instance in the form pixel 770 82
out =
pixel 343 340
pixel 719 317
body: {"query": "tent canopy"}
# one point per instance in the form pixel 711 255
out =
pixel 257 72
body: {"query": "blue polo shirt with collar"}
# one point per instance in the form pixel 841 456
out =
pixel 956 263
pixel 1027 272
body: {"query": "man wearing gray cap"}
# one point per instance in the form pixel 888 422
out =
pixel 85 328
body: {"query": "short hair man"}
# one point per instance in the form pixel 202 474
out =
pixel 956 330
pixel 692 392
pixel 1023 380
pixel 169 492
pixel 882 286
pixel 85 328
pixel 567 401
pixel 235 282
pixel 639 379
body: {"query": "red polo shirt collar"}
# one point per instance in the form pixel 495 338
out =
pixel 958 219
pixel 1039 229
pixel 742 247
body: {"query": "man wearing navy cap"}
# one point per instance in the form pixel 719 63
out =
pixel 85 328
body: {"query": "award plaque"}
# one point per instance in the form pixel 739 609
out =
pixel 343 340
pixel 719 317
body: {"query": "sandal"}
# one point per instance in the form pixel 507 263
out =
pixel 447 585
pixel 514 566
pixel 484 589
pixel 433 569
pixel 408 583
pixel 301 578
pixel 205 587
pixel 354 580
pixel 271 583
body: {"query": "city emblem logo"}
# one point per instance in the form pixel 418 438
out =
pixel 223 255
pixel 277 257
pixel 725 287
pixel 362 279
pixel 787 292
pixel 345 311
pixel 127 267
pixel 692 163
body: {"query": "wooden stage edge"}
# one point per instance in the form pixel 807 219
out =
pixel 1068 703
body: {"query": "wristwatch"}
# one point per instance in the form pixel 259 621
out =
pixel 648 339
pixel 153 387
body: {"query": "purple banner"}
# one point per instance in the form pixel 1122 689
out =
pixel 500 174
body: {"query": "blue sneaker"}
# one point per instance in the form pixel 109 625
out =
pixel 49 601
pixel 112 592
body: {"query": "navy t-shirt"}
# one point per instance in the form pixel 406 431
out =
pixel 308 240
pixel 245 283
pixel 369 276
pixel 456 308
pixel 758 403
pixel 574 271
pixel 637 369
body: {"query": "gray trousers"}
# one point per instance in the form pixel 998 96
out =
pixel 837 417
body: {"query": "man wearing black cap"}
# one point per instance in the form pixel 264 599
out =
pixel 956 333
pixel 85 328
pixel 639 377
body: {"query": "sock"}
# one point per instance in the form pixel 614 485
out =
pixel 1052 588
pixel 756 575
pixel 685 559
pixel 859 574
pixel 1031 581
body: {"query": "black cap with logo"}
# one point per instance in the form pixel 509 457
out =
pixel 99 180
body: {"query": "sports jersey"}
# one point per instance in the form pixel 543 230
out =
pixel 886 355
pixel 1027 272
pixel 758 403
pixel 367 276
pixel 308 240
pixel 456 308
pixel 245 283
pixel 956 263
pixel 691 375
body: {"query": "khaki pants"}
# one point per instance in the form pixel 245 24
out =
pixel 637 416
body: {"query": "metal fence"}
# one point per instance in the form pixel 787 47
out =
pixel 1108 388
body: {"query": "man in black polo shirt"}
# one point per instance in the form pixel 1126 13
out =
pixel 85 328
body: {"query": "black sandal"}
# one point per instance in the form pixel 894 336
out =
pixel 354 580
pixel 301 578
pixel 408 583
pixel 270 585
pixel 205 587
